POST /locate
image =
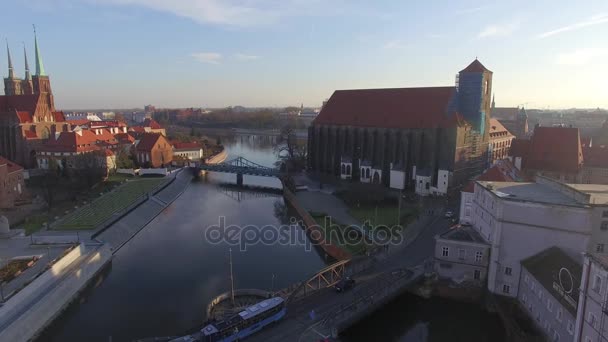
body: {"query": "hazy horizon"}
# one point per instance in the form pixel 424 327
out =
pixel 211 53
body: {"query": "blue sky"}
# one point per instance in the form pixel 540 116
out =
pixel 181 53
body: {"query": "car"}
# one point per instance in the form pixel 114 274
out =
pixel 449 214
pixel 344 284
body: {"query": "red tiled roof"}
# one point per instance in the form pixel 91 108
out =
pixel 124 138
pixel 21 103
pixel 58 116
pixel 147 141
pixel 152 124
pixel 79 122
pixel 137 129
pixel 497 127
pixel 10 166
pixel 186 145
pixel 555 149
pixel 596 156
pixel 30 135
pixel 108 123
pixel 84 141
pixel 24 117
pixel 497 173
pixel 394 108
pixel 475 66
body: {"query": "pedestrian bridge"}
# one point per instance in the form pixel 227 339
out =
pixel 240 166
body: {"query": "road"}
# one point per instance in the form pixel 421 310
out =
pixel 298 324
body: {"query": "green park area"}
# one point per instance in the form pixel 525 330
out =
pixel 336 232
pixel 90 216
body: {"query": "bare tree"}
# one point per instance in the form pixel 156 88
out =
pixel 291 154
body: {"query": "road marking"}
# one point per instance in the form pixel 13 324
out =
pixel 318 333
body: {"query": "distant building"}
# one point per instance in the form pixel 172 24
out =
pixel 151 126
pixel 12 185
pixel 149 109
pixel 27 113
pixel 462 256
pixel 153 150
pixel 500 141
pixel 595 165
pixel 592 320
pixel 515 119
pixel 549 292
pixel 554 152
pixel 188 150
pixel 433 138
pixel 520 220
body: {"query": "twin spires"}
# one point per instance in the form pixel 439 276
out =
pixel 39 66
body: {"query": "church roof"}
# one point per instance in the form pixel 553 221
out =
pixel 59 116
pixel 596 156
pixel 475 66
pixel 505 113
pixel 20 103
pixel 390 108
pixel 24 117
pixel 147 141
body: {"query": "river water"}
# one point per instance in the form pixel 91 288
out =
pixel 161 281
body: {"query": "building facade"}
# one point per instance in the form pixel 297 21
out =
pixel 27 113
pixel 153 150
pixel 12 184
pixel 500 141
pixel 592 320
pixel 522 219
pixel 188 150
pixel 514 119
pixel 430 139
pixel 549 292
pixel 462 255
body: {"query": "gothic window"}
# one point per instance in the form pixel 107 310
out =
pixel 367 173
pixel 348 169
pixel 343 169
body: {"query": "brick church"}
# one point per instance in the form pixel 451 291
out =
pixel 27 112
pixel 425 139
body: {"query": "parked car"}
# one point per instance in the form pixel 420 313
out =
pixel 449 214
pixel 344 284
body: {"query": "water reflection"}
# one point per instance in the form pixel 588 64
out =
pixel 161 281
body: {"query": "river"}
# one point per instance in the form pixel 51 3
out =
pixel 161 281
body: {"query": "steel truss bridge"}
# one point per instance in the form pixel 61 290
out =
pixel 241 166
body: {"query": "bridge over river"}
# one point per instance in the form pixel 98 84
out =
pixel 240 166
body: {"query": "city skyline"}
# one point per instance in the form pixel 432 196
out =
pixel 126 53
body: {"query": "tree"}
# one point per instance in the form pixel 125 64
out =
pixel 50 182
pixel 91 167
pixel 290 153
pixel 124 160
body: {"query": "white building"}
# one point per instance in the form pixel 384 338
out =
pixel 549 292
pixel 520 220
pixel 189 151
pixel 592 320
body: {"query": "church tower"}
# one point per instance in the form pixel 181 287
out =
pixel 26 84
pixel 40 81
pixel 12 85
pixel 474 99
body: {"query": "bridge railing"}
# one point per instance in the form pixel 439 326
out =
pixel 367 297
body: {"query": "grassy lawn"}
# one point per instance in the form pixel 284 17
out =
pixel 103 208
pixel 336 229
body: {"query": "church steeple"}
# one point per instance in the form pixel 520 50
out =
pixel 39 65
pixel 11 71
pixel 28 76
pixel 493 102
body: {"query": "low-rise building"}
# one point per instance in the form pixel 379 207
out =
pixel 595 165
pixel 12 185
pixel 549 292
pixel 188 150
pixel 151 126
pixel 462 255
pixel 153 150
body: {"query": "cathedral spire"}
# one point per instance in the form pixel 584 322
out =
pixel 493 103
pixel 28 76
pixel 39 65
pixel 11 72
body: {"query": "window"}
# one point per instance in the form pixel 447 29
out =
pixel 592 320
pixel 506 288
pixel 559 314
pixel 508 271
pixel 604 225
pixel 445 251
pixel 597 283
pixel 477 274
pixel 478 256
pixel 599 248
pixel 461 254
pixel 570 328
pixel 549 305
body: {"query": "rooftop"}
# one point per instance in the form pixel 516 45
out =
pixel 547 267
pixel 598 192
pixel 462 233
